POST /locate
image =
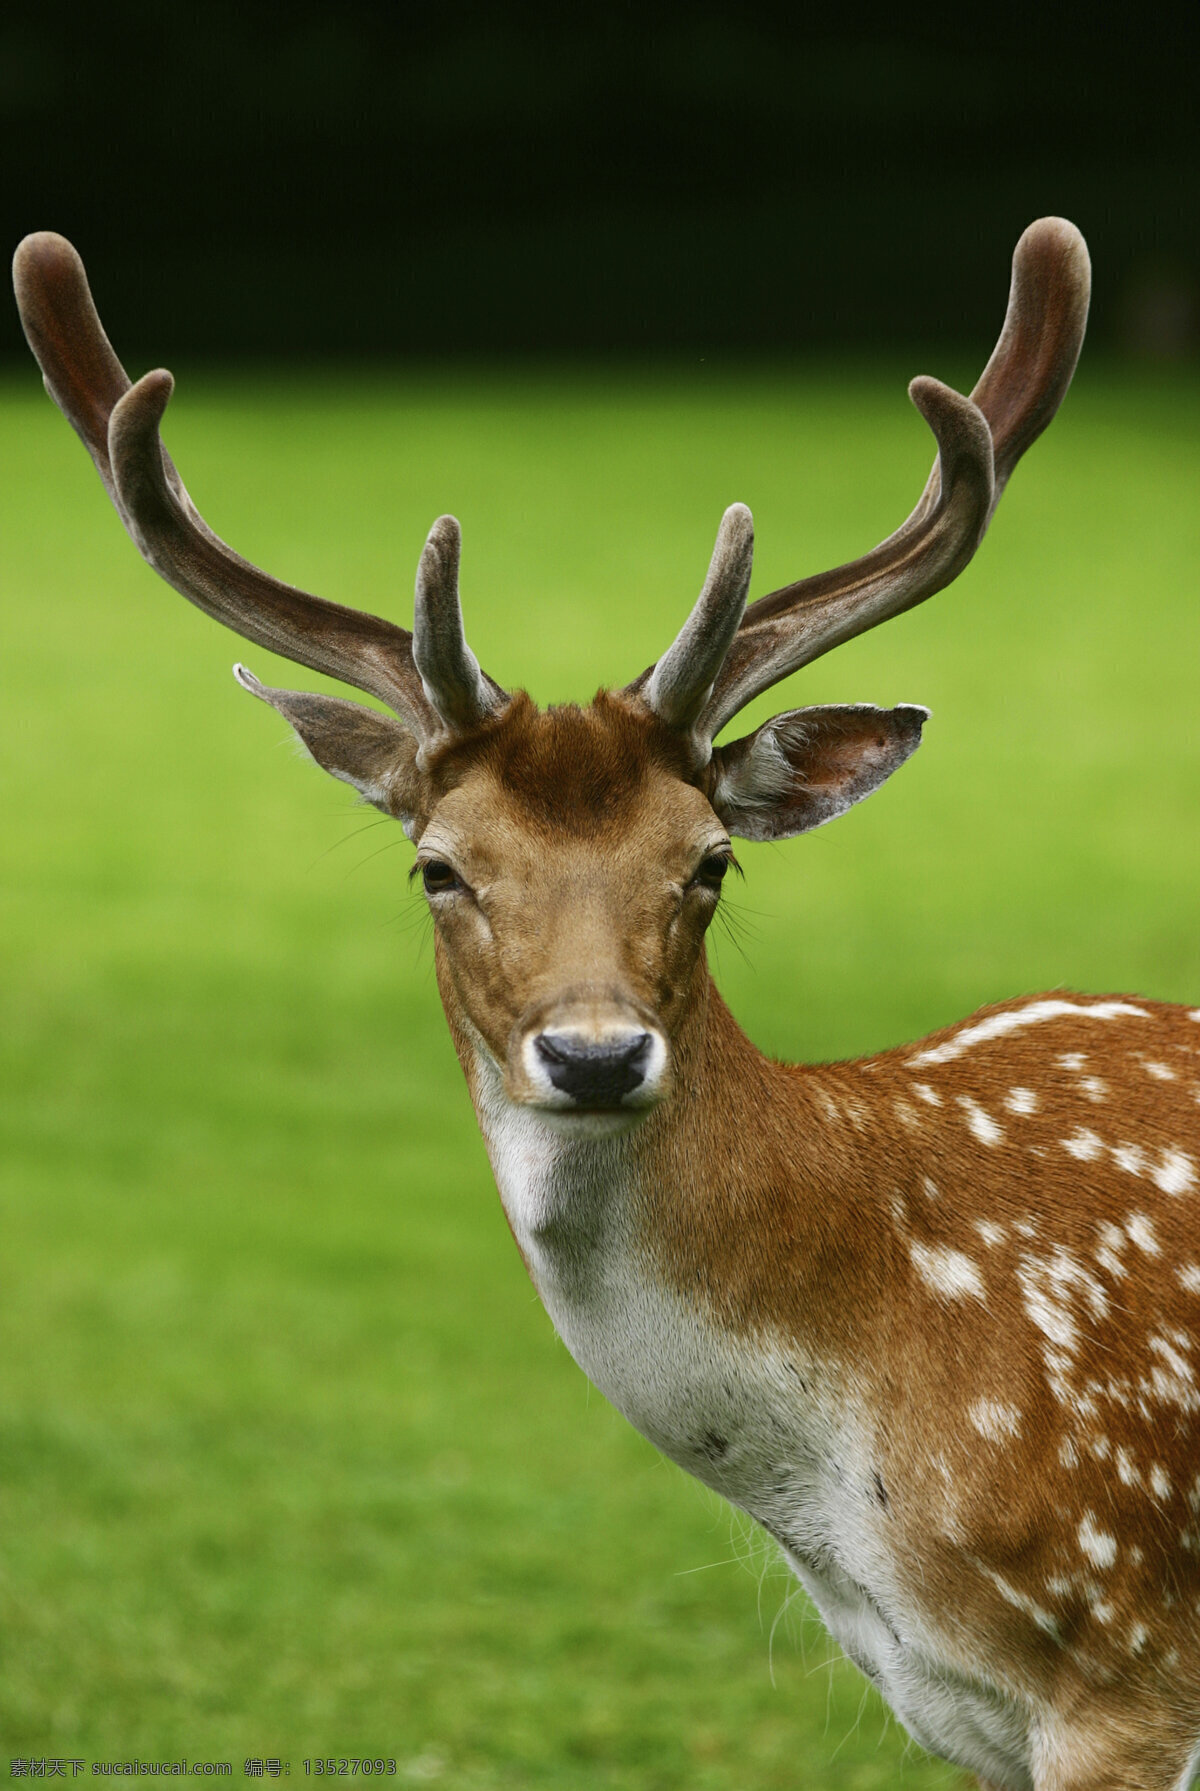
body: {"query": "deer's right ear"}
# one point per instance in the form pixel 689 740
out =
pixel 374 752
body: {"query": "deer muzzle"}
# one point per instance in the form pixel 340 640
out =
pixel 589 1054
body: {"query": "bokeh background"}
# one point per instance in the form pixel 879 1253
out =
pixel 290 1462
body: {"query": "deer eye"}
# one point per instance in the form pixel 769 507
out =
pixel 711 871
pixel 438 877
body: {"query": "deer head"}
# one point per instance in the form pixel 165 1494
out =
pixel 573 859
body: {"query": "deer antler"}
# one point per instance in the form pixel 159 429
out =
pixel 431 679
pixel 980 439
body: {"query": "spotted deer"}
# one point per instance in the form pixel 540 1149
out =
pixel 931 1318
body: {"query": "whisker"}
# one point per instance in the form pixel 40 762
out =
pixel 381 821
pixel 370 855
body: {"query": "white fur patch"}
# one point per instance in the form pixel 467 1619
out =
pixel 998 1026
pixel 1052 1289
pixel 995 1420
pixel 947 1272
pixel 1162 1072
pixel 1099 1547
pixel 1140 1231
pixel 1112 1243
pixel 1084 1144
pixel 1176 1172
pixel 980 1124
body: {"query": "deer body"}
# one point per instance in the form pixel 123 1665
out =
pixel 929 1318
pixel 931 1386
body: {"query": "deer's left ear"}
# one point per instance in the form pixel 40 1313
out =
pixel 808 766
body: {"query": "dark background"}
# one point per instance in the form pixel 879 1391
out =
pixel 366 179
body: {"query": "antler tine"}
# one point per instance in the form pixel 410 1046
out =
pixel 79 369
pixel 462 694
pixel 119 425
pixel 791 627
pixel 681 682
pixel 1033 362
pixel 980 439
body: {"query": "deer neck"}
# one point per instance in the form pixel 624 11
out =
pixel 660 1251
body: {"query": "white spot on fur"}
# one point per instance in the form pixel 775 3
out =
pixel 1068 1454
pixel 1099 1547
pixel 1127 1469
pixel 1172 1379
pixel 1129 1157
pixel 1049 1287
pixel 930 1096
pixel 1141 1233
pixel 1083 1144
pixel 1160 1484
pixel 994 1419
pixel 1022 1602
pixel 994 1234
pixel 981 1124
pixel 1188 1276
pixel 1112 1242
pixel 947 1272
pixel 998 1026
pixel 1073 1060
pixel 1176 1172
pixel 1052 1320
pixel 1021 1100
pixel 907 1115
pixel 931 1190
pixel 828 1105
pixel 1139 1635
pixel 1162 1072
pixel 1094 1089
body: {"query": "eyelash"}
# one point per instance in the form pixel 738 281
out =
pixel 711 871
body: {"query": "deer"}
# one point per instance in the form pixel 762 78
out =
pixel 931 1318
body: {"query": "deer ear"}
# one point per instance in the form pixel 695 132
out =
pixel 374 752
pixel 810 765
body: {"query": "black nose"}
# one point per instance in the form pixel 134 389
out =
pixel 594 1075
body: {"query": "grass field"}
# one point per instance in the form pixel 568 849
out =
pixel 290 1460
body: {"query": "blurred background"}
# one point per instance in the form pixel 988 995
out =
pixel 682 179
pixel 291 1463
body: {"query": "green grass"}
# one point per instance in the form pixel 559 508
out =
pixel 290 1461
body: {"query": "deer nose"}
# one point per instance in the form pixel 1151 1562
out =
pixel 594 1074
